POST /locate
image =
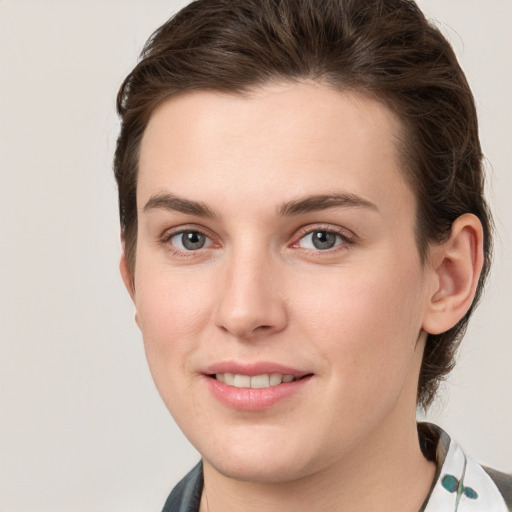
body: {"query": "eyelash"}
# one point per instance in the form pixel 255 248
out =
pixel 166 238
pixel 347 239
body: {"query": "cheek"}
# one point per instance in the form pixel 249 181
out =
pixel 173 317
pixel 366 320
pixel 172 311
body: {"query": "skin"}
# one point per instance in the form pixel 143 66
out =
pixel 355 316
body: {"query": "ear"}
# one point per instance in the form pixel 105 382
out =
pixel 126 274
pixel 454 268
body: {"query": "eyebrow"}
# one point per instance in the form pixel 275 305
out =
pixel 307 204
pixel 178 204
pixel 321 202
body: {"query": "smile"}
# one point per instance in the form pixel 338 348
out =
pixel 265 380
pixel 251 388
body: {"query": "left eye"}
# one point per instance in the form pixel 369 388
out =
pixel 190 240
pixel 320 240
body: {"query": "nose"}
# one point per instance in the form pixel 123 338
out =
pixel 251 301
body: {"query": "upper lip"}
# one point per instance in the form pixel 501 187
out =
pixel 252 369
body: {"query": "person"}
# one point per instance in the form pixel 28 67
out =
pixel 305 237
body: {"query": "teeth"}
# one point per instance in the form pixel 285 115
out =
pixel 257 381
pixel 229 379
pixel 275 379
pixel 260 381
pixel 242 381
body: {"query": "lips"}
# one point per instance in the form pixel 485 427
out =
pixel 253 369
pixel 253 387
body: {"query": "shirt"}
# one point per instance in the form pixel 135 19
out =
pixel 460 483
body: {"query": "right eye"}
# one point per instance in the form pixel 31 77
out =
pixel 189 240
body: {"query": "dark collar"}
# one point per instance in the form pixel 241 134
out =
pixel 186 496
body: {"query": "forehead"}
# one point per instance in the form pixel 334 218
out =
pixel 286 139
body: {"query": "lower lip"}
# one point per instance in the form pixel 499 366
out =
pixel 254 399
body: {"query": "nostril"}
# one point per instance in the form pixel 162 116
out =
pixel 264 327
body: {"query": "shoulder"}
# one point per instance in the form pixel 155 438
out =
pixel 461 483
pixel 186 495
pixel 503 482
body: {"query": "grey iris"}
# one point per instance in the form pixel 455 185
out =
pixel 192 240
pixel 323 239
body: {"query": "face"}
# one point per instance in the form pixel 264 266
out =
pixel 278 285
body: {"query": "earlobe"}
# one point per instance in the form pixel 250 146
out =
pixel 455 268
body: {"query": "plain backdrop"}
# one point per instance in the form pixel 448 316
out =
pixel 82 428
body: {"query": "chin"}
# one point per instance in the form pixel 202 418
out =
pixel 263 470
pixel 263 455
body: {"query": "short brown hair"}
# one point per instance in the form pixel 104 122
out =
pixel 384 48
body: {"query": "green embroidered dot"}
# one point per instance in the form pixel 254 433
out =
pixel 470 493
pixel 450 483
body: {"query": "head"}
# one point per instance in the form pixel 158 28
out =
pixel 383 50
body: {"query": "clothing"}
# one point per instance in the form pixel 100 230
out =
pixel 460 483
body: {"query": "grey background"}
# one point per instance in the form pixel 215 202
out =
pixel 82 428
